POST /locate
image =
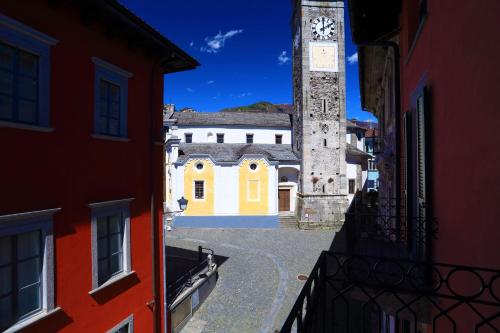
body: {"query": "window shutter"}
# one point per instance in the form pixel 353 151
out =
pixel 421 156
pixel 408 144
pixel 421 174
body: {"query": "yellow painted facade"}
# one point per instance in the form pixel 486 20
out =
pixel 205 206
pixel 253 188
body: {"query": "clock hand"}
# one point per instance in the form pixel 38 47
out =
pixel 323 24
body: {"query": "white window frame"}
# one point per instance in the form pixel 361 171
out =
pixel 217 137
pixel 256 169
pixel 204 190
pixel 195 165
pixel 42 220
pixel 107 208
pixel 348 185
pixel 25 38
pixel 246 138
pixel 129 320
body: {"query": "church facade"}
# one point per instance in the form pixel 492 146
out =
pixel 239 169
pixel 236 169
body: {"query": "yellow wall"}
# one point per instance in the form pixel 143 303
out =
pixel 253 188
pixel 196 207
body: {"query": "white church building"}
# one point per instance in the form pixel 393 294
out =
pixel 238 169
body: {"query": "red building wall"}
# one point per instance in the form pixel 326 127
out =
pixel 455 54
pixel 67 168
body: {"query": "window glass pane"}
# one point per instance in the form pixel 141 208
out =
pixel 114 127
pixel 28 245
pixel 5 250
pixel 27 111
pixel 116 263
pixel 115 243
pixel 6 280
pixel 6 57
pixel 114 93
pixel 6 83
pixel 102 248
pixel 28 299
pixel 102 123
pixel 5 107
pixel 115 223
pixel 103 272
pixel 103 90
pixel 6 311
pixel 123 329
pixel 27 88
pixel 28 272
pixel 28 64
pixel 102 226
pixel 103 108
pixel 114 110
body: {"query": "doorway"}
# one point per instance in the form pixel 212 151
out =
pixel 284 200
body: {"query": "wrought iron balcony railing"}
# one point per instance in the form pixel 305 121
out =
pixel 380 227
pixel 350 293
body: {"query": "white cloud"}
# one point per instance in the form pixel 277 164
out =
pixel 210 82
pixel 191 44
pixel 353 59
pixel 245 94
pixel 215 43
pixel 283 58
pixel 190 90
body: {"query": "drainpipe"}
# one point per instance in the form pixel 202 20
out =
pixel 156 308
pixel 154 222
pixel 397 95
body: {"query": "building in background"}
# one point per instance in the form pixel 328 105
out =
pixel 80 131
pixel 240 164
pixel 357 161
pixel 371 142
pixel 236 169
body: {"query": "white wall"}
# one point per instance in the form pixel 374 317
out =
pixel 360 144
pixel 177 184
pixel 351 174
pixel 273 190
pixel 233 134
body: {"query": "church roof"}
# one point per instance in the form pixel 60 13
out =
pixel 251 119
pixel 232 152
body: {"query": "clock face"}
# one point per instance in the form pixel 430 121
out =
pixel 323 27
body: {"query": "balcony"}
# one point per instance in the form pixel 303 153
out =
pixel 349 293
pixel 379 277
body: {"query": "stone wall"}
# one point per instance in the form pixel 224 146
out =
pixel 319 99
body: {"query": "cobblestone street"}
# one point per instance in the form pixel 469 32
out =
pixel 258 282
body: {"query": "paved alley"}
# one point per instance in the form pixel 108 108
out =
pixel 258 281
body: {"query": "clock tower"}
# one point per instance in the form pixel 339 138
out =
pixel 319 112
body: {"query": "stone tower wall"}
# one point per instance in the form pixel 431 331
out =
pixel 321 132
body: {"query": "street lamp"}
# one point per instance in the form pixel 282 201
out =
pixel 183 202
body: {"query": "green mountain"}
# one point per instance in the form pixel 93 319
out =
pixel 262 107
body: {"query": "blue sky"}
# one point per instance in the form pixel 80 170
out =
pixel 244 49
